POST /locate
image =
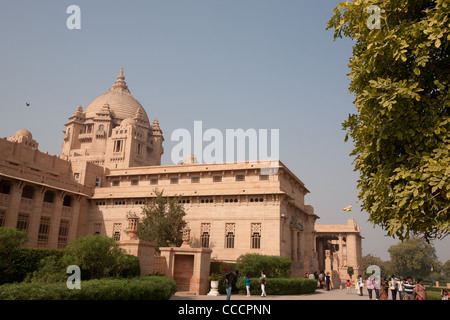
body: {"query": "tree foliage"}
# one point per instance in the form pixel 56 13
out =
pixel 401 131
pixel 99 257
pixel 10 242
pixel 273 266
pixel 162 221
pixel 414 257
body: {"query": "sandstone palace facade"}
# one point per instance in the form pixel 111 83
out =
pixel 110 166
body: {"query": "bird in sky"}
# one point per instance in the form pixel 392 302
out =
pixel 28 104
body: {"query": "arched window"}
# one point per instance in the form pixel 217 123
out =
pixel 28 192
pixel 67 202
pixel 49 196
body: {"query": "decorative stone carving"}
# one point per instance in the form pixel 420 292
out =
pixel 186 237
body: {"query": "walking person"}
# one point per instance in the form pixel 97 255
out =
pixel 399 288
pixel 369 286
pixel 230 279
pixel 262 280
pixel 247 284
pixel 361 285
pixel 376 287
pixel 349 286
pixel 421 292
pixel 409 288
pixel 328 281
pixel 393 287
pixel 383 292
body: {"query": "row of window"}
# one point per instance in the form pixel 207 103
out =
pixel 28 192
pixel 23 222
pixel 230 236
pixel 176 180
pixel 183 201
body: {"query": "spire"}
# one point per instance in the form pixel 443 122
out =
pixel 120 84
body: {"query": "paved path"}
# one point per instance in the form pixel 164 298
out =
pixel 335 294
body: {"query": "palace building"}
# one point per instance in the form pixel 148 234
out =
pixel 110 166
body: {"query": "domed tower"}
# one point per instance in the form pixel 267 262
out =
pixel 113 131
pixel 25 137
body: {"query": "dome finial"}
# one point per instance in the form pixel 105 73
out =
pixel 120 83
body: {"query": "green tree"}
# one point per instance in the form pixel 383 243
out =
pixel 414 257
pixel 273 266
pixel 97 257
pixel 400 79
pixel 162 221
pixel 350 271
pixel 369 260
pixel 10 242
pixel 446 269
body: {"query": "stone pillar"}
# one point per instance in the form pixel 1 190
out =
pixel 14 202
pixel 294 243
pixel 327 261
pixel 320 254
pixel 36 213
pixel 335 261
pixel 56 220
pixel 341 249
pixel 352 253
pixel 75 215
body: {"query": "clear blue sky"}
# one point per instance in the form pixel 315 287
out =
pixel 261 64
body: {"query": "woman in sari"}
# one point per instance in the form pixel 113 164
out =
pixel 383 293
pixel 421 292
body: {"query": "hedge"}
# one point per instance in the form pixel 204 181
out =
pixel 279 286
pixel 273 266
pixel 25 261
pixel 139 288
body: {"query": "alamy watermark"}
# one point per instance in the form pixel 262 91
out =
pixel 374 21
pixel 236 145
pixel 74 280
pixel 74 20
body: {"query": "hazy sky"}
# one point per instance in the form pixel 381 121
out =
pixel 261 64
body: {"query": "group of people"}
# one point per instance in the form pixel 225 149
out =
pixel 231 278
pixel 403 289
pixel 323 279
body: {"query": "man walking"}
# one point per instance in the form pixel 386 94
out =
pixel 409 287
pixel 230 279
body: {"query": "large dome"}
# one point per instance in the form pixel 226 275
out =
pixel 121 103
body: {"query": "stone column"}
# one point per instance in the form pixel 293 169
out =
pixel 14 202
pixel 320 253
pixel 36 213
pixel 328 261
pixel 294 243
pixel 75 214
pixel 352 253
pixel 56 220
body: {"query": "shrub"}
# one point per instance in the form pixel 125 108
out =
pixel 273 266
pixel 25 261
pixel 140 288
pixel 99 257
pixel 50 269
pixel 220 267
pixel 279 286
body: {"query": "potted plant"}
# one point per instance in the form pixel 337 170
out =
pixel 214 281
